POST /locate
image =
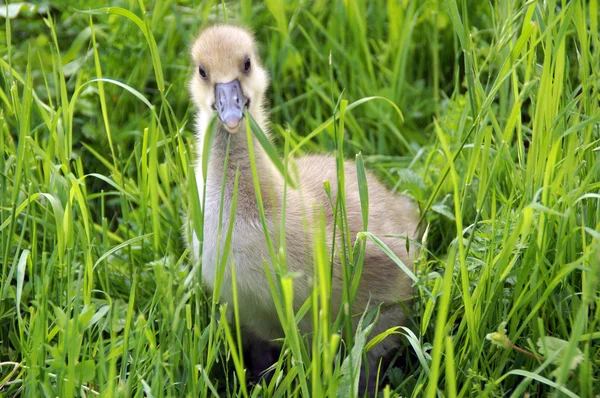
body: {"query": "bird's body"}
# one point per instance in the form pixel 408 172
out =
pixel 382 280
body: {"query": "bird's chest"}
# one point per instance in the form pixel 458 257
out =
pixel 233 239
pixel 242 249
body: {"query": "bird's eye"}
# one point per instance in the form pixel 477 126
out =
pixel 247 65
pixel 202 71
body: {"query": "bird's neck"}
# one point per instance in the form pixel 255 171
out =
pixel 229 154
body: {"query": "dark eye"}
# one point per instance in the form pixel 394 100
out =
pixel 247 65
pixel 203 74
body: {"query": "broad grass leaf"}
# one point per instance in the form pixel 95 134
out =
pixel 85 316
pixel 98 315
pixel 444 210
pixel 85 371
pixel 553 347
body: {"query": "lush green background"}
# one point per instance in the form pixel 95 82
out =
pixel 498 144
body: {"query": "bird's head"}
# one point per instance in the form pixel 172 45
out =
pixel 228 76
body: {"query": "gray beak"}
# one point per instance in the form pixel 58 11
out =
pixel 230 103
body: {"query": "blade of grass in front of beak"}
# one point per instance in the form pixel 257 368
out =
pixel 261 209
pixel 282 293
pixel 270 268
pixel 269 148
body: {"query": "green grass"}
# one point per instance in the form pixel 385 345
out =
pixel 498 142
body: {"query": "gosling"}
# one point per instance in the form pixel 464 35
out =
pixel 229 78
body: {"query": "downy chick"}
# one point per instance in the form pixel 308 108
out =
pixel 228 77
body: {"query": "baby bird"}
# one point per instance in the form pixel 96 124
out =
pixel 228 78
